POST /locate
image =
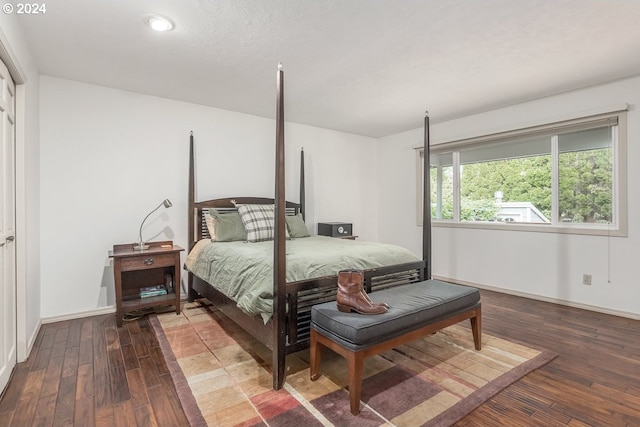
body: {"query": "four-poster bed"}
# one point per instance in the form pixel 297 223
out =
pixel 287 329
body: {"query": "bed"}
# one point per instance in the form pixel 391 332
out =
pixel 281 319
pixel 250 283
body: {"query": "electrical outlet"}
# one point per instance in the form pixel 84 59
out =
pixel 586 279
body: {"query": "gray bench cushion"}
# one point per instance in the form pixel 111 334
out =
pixel 411 307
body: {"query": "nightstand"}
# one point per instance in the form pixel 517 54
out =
pixel 158 266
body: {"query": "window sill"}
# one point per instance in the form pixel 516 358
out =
pixel 595 230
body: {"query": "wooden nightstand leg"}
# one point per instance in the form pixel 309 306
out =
pixel 177 283
pixel 118 285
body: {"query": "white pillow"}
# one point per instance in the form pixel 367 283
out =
pixel 211 225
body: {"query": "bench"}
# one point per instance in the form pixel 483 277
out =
pixel 415 310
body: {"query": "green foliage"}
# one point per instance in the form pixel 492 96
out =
pixel 478 210
pixel 447 193
pixel 520 180
pixel 446 213
pixel 586 192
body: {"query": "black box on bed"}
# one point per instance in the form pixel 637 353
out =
pixel 335 229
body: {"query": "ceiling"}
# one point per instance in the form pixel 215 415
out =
pixel 368 67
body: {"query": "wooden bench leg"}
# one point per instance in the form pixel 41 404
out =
pixel 315 354
pixel 476 328
pixel 355 363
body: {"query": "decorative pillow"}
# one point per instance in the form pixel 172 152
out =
pixel 228 226
pixel 259 221
pixel 296 226
pixel 211 225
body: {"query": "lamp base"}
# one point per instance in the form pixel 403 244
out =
pixel 140 248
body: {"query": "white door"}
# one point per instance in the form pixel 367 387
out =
pixel 7 228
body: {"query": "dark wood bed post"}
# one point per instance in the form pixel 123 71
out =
pixel 192 196
pixel 191 214
pixel 279 262
pixel 426 208
pixel 302 207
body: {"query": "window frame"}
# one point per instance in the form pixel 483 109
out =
pixel 618 227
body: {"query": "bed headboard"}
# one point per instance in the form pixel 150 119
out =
pixel 227 205
pixel 197 228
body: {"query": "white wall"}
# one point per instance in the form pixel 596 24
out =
pixel 16 51
pixel 546 265
pixel 108 157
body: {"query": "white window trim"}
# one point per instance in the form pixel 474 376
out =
pixel 619 228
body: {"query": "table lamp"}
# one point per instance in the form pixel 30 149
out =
pixel 141 246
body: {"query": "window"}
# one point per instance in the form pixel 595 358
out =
pixel 563 177
pixel 585 176
pixel 442 186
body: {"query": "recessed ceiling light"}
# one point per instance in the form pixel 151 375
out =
pixel 159 23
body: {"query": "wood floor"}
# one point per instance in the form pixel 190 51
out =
pixel 88 372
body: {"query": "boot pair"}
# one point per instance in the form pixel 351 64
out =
pixel 352 296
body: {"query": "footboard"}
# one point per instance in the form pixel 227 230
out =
pixel 301 296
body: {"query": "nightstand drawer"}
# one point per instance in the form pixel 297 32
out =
pixel 147 261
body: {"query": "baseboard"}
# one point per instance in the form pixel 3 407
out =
pixel 30 343
pixel 559 301
pixel 79 315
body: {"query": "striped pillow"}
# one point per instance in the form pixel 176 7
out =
pixel 259 221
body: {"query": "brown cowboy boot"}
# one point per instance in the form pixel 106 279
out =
pixel 358 276
pixel 351 296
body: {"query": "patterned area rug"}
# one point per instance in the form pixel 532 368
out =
pixel 223 380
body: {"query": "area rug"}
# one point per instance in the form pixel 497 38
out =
pixel 223 376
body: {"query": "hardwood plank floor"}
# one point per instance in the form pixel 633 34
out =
pixel 593 381
pixel 88 372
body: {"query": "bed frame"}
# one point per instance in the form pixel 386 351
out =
pixel 288 330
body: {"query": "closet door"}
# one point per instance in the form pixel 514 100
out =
pixel 7 228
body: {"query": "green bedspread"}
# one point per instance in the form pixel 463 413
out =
pixel 244 271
